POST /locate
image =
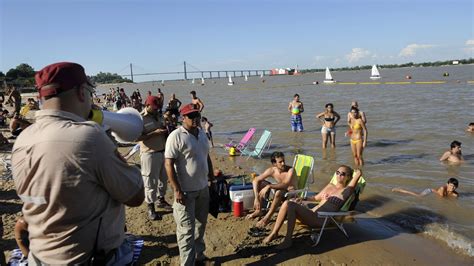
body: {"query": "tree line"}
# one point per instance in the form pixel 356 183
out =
pixel 410 64
pixel 24 76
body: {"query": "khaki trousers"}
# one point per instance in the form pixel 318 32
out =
pixel 191 219
pixel 153 174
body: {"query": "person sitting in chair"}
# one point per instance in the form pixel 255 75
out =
pixel 330 199
pixel 283 174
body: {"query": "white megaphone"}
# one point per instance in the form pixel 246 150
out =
pixel 126 124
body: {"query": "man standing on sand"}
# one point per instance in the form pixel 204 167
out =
pixel 296 108
pixel 283 174
pixel 72 180
pixel 189 170
pixel 196 101
pixel 454 155
pixel 152 148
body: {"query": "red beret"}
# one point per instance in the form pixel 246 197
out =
pixel 153 101
pixel 59 77
pixel 188 108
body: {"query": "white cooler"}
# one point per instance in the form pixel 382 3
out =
pixel 246 191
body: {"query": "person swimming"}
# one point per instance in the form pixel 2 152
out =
pixel 448 190
pixel 454 155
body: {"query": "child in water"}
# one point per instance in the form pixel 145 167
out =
pixel 470 127
pixel 206 125
pixel 448 190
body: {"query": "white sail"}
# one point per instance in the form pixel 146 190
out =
pixel 375 71
pixel 192 82
pixel 230 81
pixel 328 74
pixel 246 78
pixel 162 82
pixel 261 76
pixel 202 80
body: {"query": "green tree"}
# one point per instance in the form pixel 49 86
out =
pixel 23 75
pixel 108 77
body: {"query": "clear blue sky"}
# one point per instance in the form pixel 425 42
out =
pixel 156 36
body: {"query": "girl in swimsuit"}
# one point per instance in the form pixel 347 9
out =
pixel 329 119
pixel 331 198
pixel 358 136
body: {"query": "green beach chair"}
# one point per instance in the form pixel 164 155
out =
pixel 338 218
pixel 263 142
pixel 303 168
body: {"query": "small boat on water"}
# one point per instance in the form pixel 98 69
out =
pixel 246 77
pixel 328 77
pixel 192 82
pixel 162 82
pixel 261 76
pixel 375 73
pixel 202 81
pixel 230 83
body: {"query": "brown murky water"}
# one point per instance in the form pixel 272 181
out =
pixel 409 125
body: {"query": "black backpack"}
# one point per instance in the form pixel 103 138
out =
pixel 223 195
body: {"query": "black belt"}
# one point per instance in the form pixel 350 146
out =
pixel 159 151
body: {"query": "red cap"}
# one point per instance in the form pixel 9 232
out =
pixel 188 108
pixel 59 77
pixel 152 101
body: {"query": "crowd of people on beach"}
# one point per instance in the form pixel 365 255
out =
pixel 56 170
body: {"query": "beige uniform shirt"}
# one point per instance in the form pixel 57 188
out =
pixel 190 154
pixel 157 142
pixel 68 175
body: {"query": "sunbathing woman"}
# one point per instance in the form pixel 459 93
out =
pixel 331 199
pixel 358 133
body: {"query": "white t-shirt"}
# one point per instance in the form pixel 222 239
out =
pixel 190 154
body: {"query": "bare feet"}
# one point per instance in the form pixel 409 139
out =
pixel 253 215
pixel 269 239
pixel 262 223
pixel 285 244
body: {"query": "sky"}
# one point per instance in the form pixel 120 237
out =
pixel 157 36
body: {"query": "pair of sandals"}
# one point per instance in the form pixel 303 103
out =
pixel 258 231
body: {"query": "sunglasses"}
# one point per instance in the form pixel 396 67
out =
pixel 341 173
pixel 193 115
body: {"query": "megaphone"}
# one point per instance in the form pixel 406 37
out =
pixel 126 124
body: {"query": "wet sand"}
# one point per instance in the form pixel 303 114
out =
pixel 373 240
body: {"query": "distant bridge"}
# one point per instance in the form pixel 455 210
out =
pixel 209 74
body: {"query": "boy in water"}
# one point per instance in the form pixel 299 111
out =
pixel 295 107
pixel 470 128
pixel 448 190
pixel 454 155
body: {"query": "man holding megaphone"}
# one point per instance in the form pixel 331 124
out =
pixel 72 180
pixel 152 148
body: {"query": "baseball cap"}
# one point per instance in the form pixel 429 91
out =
pixel 59 77
pixel 152 101
pixel 188 108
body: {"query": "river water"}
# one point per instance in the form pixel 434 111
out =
pixel 409 125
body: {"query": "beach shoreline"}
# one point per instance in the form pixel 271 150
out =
pixel 373 240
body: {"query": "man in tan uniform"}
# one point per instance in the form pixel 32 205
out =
pixel 152 148
pixel 72 180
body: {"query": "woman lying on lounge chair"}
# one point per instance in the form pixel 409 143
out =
pixel 331 199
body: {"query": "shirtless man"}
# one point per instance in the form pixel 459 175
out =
pixel 296 108
pixel 448 190
pixel 454 155
pixel 283 174
pixel 173 105
pixel 362 114
pixel 196 101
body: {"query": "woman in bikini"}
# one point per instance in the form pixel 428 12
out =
pixel 358 134
pixel 330 199
pixel 329 119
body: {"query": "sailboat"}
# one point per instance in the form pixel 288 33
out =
pixel 162 82
pixel 202 81
pixel 375 73
pixel 261 76
pixel 328 79
pixel 230 83
pixel 246 77
pixel 192 82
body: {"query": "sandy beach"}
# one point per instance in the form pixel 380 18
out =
pixel 373 240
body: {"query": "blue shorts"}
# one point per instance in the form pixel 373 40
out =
pixel 296 123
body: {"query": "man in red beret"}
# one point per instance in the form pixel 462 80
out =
pixel 152 148
pixel 187 151
pixel 70 177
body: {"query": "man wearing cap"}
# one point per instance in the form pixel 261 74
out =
pixel 189 169
pixel 152 148
pixel 70 177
